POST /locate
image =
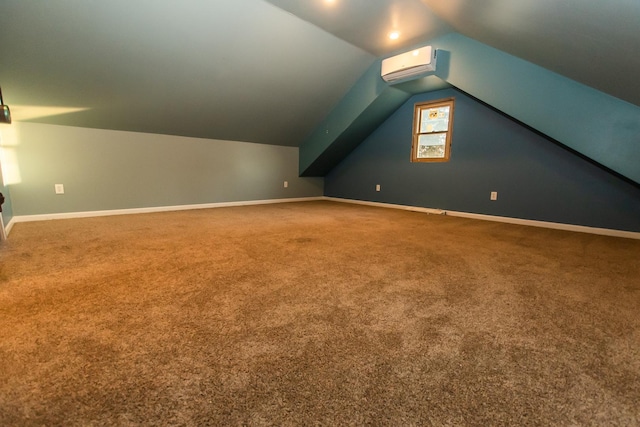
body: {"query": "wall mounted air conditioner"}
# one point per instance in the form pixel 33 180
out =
pixel 409 64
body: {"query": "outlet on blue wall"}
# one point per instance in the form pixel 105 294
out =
pixel 535 178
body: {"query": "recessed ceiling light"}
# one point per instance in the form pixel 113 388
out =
pixel 394 35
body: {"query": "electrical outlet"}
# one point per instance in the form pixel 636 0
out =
pixel 59 188
pixel 377 187
pixel 286 184
pixel 494 195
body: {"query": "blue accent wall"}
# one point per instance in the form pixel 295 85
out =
pixel 597 125
pixel 536 179
pixel 594 124
pixel 349 122
pixel 369 102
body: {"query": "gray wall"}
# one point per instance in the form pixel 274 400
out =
pixel 105 170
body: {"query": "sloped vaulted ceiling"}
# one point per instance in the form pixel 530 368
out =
pixel 592 42
pixel 367 23
pixel 224 69
pixel 589 41
pixel 581 41
pixel 271 71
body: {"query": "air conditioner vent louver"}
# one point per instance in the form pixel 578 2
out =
pixel 410 64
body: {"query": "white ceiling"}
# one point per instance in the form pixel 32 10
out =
pixel 269 71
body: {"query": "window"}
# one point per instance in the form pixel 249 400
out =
pixel 432 124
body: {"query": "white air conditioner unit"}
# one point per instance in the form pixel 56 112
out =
pixel 409 64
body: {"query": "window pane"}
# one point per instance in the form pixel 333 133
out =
pixel 432 146
pixel 432 129
pixel 434 119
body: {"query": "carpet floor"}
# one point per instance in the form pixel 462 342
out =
pixel 316 313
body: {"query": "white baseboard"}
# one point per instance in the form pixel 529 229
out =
pixel 88 214
pixel 508 220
